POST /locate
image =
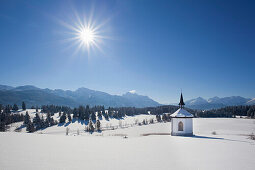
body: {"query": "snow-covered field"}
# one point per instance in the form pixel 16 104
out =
pixel 230 148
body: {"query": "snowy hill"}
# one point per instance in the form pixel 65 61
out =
pixel 75 124
pixel 146 147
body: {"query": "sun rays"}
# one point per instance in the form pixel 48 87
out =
pixel 85 34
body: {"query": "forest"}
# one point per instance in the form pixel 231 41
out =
pixel 10 114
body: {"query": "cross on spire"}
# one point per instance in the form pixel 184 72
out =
pixel 181 104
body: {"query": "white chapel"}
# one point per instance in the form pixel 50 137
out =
pixel 181 121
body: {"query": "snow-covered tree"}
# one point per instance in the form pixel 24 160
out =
pixel 67 130
pixel 120 123
pixel 98 125
pixel 90 126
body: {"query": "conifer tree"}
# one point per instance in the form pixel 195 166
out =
pixel 69 117
pixel 62 118
pixel 98 125
pixel 145 122
pixel 87 113
pixel 15 107
pixel 42 122
pixel 2 126
pixel 67 131
pixel 81 112
pixel 90 126
pixel 52 122
pixel 47 120
pixel 26 118
pixel 158 117
pixel 37 121
pixel 164 117
pixel 7 109
pixel 48 117
pixel 99 115
pixel 30 127
pixel 1 108
pixel 93 116
pixel 75 113
pixel 110 112
pixel 10 107
pixel 106 116
pixel 23 106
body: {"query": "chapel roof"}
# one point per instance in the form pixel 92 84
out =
pixel 182 113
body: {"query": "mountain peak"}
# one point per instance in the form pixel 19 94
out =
pixel 196 101
pixel 200 98
pixel 213 99
pixel 132 91
pixel 26 87
pixel 130 94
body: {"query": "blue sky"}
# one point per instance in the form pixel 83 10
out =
pixel 154 47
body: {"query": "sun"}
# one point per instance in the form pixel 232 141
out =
pixel 85 33
pixel 87 36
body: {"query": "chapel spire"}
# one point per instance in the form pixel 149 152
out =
pixel 181 104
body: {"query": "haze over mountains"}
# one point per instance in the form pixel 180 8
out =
pixel 34 96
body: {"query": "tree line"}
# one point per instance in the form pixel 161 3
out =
pixel 6 118
pixel 85 113
pixel 89 114
pixel 229 111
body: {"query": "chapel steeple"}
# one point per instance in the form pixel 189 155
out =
pixel 181 121
pixel 181 104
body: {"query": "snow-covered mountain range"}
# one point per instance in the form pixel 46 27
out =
pixel 217 102
pixel 33 96
pixel 36 96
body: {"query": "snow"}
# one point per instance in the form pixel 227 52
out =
pixel 74 125
pixel 132 91
pixel 118 127
pixel 181 113
pixel 147 147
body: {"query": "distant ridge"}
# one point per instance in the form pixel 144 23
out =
pixel 217 102
pixel 33 96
